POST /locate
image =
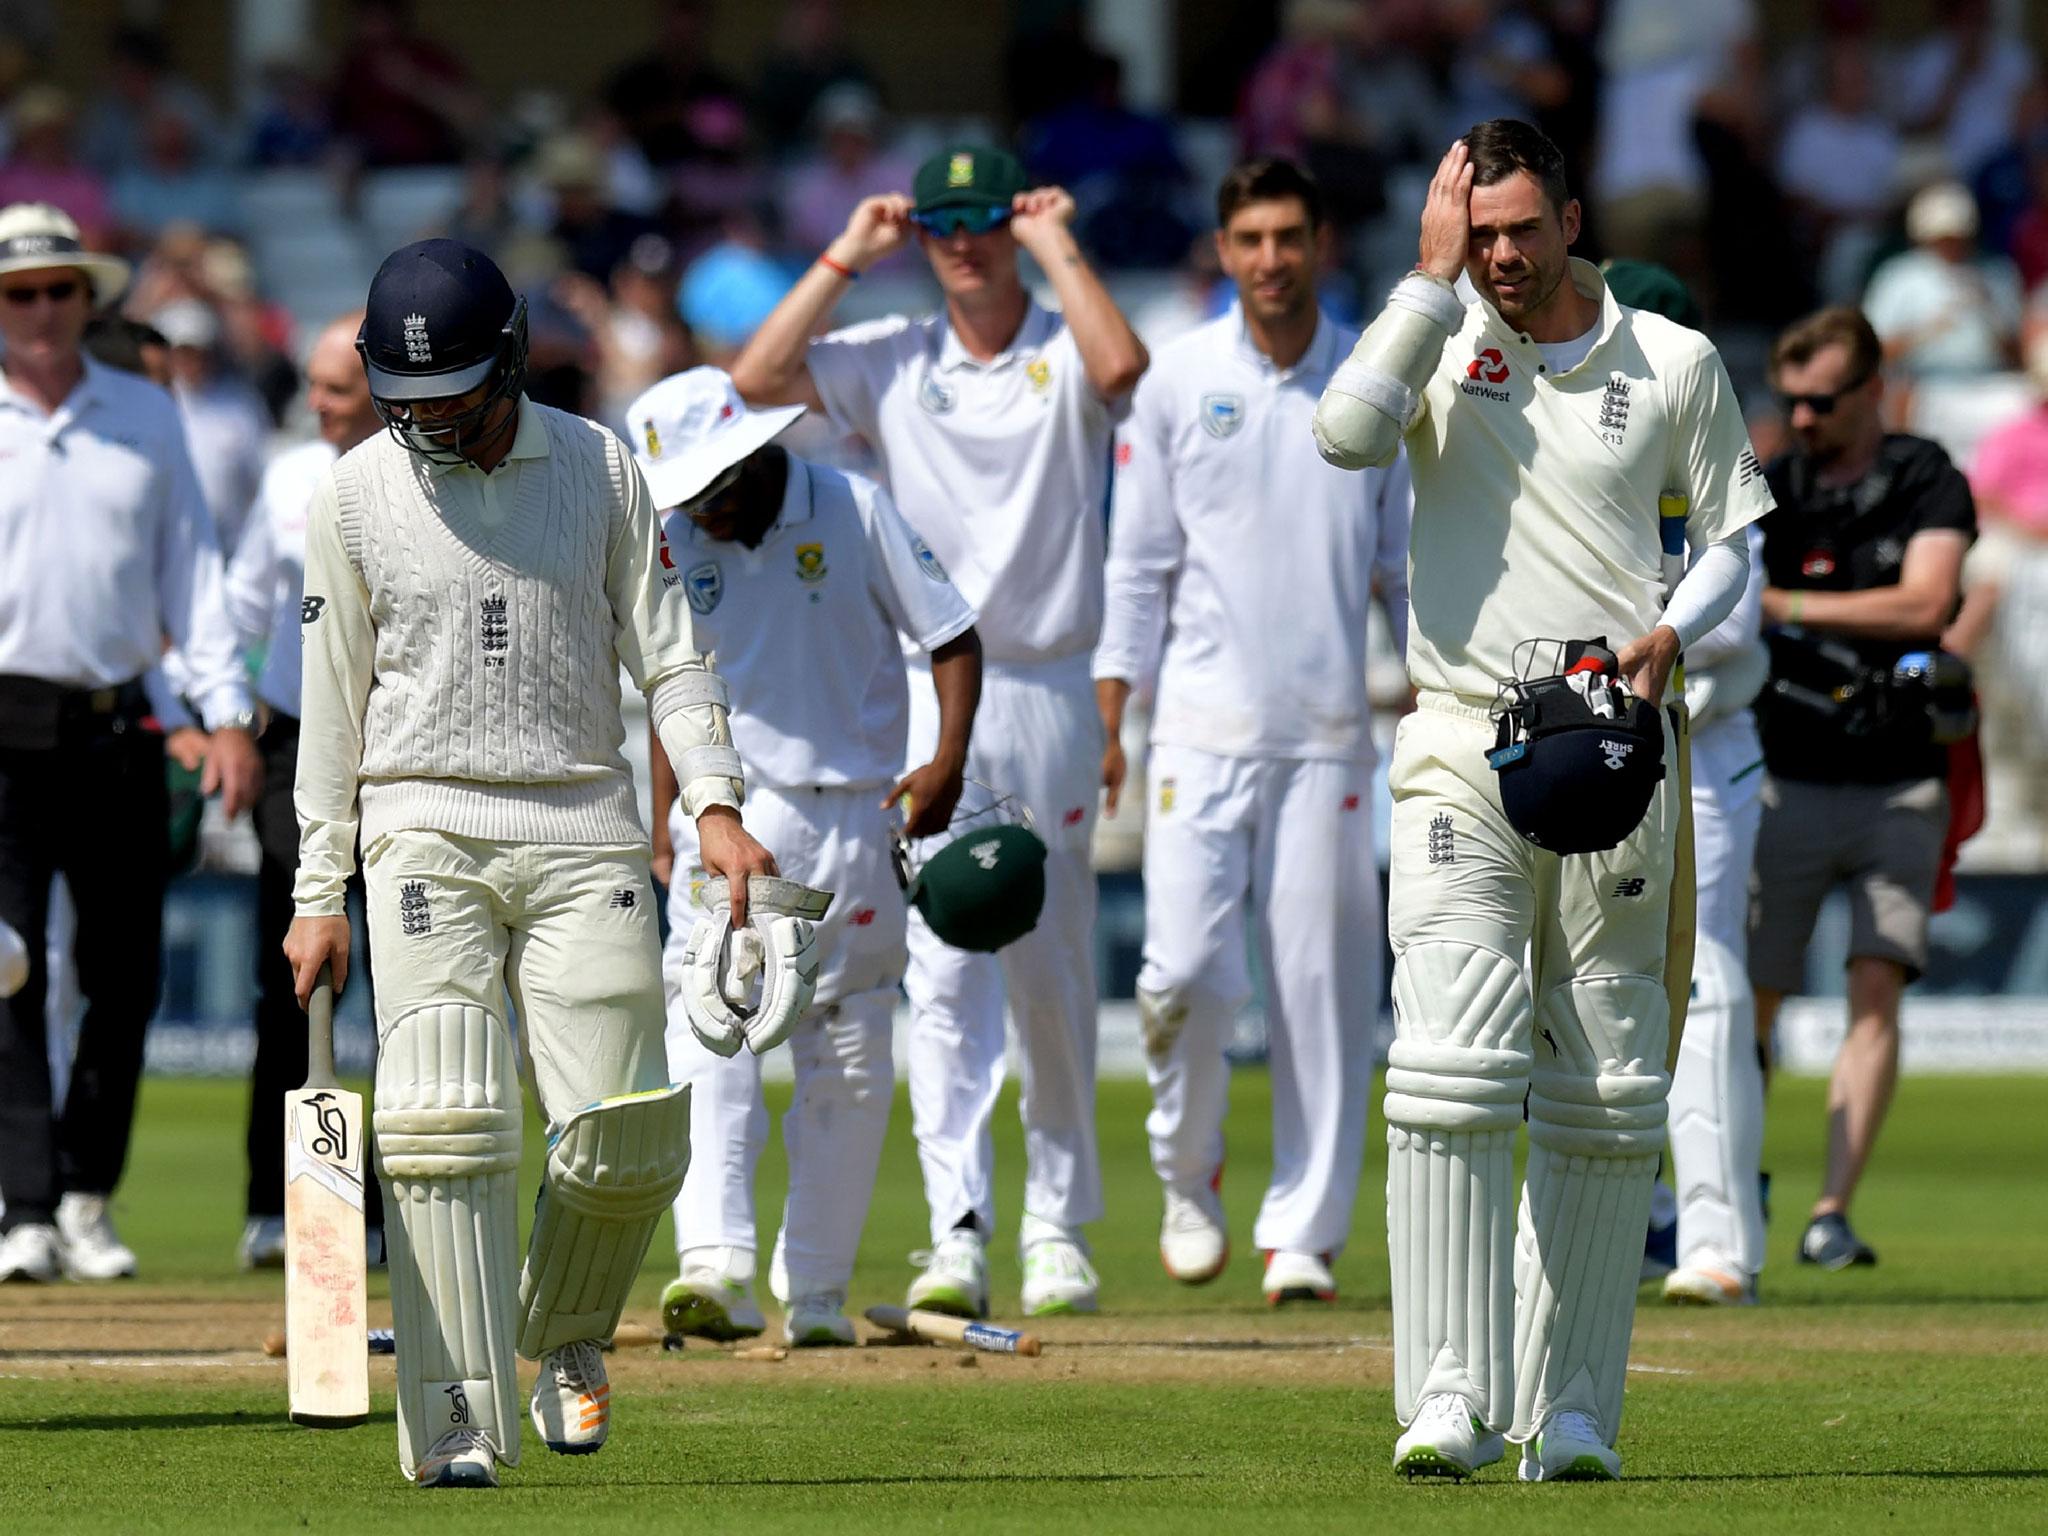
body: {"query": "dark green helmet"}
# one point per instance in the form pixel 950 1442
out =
pixel 986 886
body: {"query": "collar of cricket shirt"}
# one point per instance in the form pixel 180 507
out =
pixel 1319 358
pixel 1587 279
pixel 529 441
pixel 1035 332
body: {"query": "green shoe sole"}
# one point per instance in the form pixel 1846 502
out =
pixel 701 1317
pixel 1424 1461
pixel 949 1301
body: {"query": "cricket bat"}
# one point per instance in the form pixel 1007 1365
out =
pixel 939 1328
pixel 326 1316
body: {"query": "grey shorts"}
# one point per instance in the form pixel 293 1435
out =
pixel 1880 841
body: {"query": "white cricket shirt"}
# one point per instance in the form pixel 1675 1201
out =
pixel 1241 565
pixel 1536 491
pixel 227 433
pixel 106 546
pixel 804 628
pixel 1003 466
pixel 267 575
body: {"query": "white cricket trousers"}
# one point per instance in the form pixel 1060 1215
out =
pixel 1037 736
pixel 833 839
pixel 1284 846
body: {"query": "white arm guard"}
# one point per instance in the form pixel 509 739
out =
pixel 778 944
pixel 690 710
pixel 1376 395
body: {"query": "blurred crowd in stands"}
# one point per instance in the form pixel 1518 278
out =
pixel 1894 156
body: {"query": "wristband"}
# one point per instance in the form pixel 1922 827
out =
pixel 1795 605
pixel 825 261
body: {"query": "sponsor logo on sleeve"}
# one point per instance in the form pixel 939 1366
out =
pixel 926 560
pixel 704 585
pixel 310 609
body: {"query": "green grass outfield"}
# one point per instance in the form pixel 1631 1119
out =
pixel 1906 1398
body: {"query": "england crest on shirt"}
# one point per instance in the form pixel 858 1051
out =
pixel 1222 414
pixel 705 584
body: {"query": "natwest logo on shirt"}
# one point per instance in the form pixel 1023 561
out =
pixel 1489 367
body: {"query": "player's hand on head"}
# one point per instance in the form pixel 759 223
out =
pixel 927 796
pixel 1039 212
pixel 727 848
pixel 1114 771
pixel 879 226
pixel 1447 216
pixel 312 942
pixel 1646 662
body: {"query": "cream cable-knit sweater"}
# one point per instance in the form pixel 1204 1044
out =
pixel 463 637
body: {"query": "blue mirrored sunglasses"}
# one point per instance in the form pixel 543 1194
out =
pixel 951 221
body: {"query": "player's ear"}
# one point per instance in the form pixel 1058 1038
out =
pixel 1323 244
pixel 1570 216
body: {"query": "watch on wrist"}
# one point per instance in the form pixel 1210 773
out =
pixel 242 720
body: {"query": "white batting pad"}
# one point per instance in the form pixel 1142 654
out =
pixel 612 1169
pixel 752 984
pixel 1596 1128
pixel 1717 1116
pixel 447 1119
pixel 1455 1079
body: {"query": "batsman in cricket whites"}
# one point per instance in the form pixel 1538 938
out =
pixel 475 576
pixel 1536 798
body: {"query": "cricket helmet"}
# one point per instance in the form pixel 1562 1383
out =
pixel 440 321
pixel 981 883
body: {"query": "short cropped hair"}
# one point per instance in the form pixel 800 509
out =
pixel 1840 324
pixel 1504 145
pixel 1264 180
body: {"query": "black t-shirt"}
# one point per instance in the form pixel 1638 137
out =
pixel 1851 539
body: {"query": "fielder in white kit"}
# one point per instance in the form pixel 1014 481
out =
pixel 1241 569
pixel 475 577
pixel 993 421
pixel 1543 424
pixel 806 584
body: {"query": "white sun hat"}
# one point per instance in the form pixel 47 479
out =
pixel 35 236
pixel 692 427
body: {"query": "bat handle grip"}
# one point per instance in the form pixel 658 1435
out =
pixel 320 1071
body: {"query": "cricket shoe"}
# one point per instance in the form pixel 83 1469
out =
pixel 955 1278
pixel 1832 1243
pixel 93 1250
pixel 1294 1276
pixel 1569 1449
pixel 817 1319
pixel 1057 1275
pixel 1708 1280
pixel 462 1458
pixel 707 1301
pixel 1192 1242
pixel 1446 1439
pixel 262 1245
pixel 572 1400
pixel 32 1254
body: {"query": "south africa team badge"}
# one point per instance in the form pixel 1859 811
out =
pixel 1222 414
pixel 705 585
pixel 810 563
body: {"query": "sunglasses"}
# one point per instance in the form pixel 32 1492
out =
pixel 1820 405
pixel 58 292
pixel 711 493
pixel 952 221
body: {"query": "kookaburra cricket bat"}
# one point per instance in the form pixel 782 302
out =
pixel 326 1318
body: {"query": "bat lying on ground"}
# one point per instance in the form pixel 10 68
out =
pixel 937 1328
pixel 326 1313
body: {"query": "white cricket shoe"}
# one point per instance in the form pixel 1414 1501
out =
pixel 1708 1280
pixel 1294 1276
pixel 817 1319
pixel 955 1278
pixel 32 1254
pixel 1569 1448
pixel 262 1245
pixel 93 1250
pixel 1193 1244
pixel 1446 1439
pixel 708 1301
pixel 572 1400
pixel 1057 1275
pixel 462 1458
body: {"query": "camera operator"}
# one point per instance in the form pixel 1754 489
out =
pixel 1862 560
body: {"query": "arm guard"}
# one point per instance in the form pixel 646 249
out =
pixel 1376 395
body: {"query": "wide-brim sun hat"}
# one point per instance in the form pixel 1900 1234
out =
pixel 37 236
pixel 692 427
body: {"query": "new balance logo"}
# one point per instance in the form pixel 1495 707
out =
pixel 310 609
pixel 1443 848
pixel 1747 468
pixel 1630 886
pixel 415 917
pixel 622 899
pixel 496 630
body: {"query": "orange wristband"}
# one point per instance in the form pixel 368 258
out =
pixel 840 267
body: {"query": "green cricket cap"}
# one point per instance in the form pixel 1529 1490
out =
pixel 1645 285
pixel 984 889
pixel 967 176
